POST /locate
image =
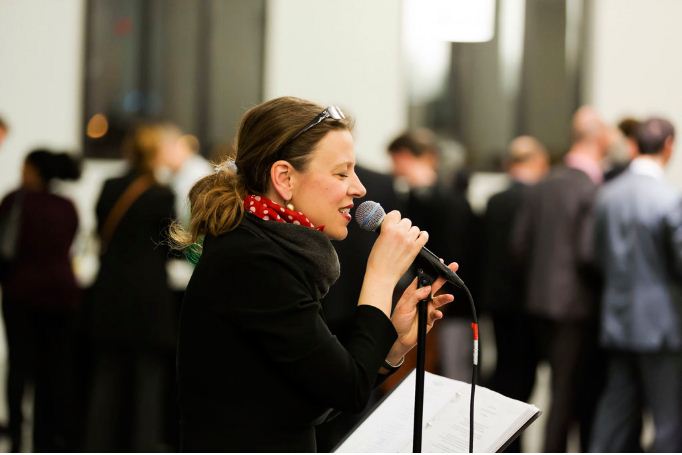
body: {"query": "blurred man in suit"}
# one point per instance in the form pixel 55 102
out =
pixel 553 238
pixel 503 293
pixel 448 218
pixel 639 249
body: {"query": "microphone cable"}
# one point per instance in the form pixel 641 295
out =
pixel 474 367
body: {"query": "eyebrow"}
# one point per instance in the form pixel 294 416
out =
pixel 345 163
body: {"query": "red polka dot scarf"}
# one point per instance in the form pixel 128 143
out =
pixel 268 210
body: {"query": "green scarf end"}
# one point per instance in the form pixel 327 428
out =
pixel 193 252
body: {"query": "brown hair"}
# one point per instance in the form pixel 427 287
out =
pixel 264 137
pixel 652 133
pixel 418 142
pixel 628 126
pixel 142 146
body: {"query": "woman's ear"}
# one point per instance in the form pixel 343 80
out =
pixel 282 178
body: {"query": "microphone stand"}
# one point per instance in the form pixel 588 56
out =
pixel 425 280
pixel 422 305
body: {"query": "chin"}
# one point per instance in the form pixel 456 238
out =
pixel 337 234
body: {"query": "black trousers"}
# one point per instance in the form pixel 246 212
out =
pixel 638 382
pixel 517 359
pixel 126 403
pixel 577 378
pixel 40 344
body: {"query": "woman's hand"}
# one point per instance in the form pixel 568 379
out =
pixel 395 249
pixel 405 316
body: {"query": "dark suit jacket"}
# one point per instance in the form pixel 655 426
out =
pixel 448 218
pixel 639 246
pixel 504 290
pixel 130 302
pixel 553 237
pixel 40 275
pixel 257 364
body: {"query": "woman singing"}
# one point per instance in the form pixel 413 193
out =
pixel 258 366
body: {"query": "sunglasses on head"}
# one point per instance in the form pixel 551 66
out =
pixel 332 112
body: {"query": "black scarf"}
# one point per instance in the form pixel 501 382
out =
pixel 315 248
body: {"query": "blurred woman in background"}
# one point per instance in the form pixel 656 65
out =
pixel 39 298
pixel 130 317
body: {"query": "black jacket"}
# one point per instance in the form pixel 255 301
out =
pixel 504 290
pixel 553 238
pixel 130 302
pixel 447 217
pixel 257 364
pixel 40 275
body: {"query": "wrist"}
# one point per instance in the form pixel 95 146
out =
pixel 397 354
pixel 392 366
pixel 375 276
pixel 401 346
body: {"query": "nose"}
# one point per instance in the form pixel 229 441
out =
pixel 356 189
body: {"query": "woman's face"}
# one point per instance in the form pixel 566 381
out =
pixel 324 192
pixel 174 149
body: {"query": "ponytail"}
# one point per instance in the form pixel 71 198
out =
pixel 52 165
pixel 216 204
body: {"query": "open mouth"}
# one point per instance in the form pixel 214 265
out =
pixel 345 211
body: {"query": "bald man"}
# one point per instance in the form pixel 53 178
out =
pixel 553 237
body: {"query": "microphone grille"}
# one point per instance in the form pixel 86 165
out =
pixel 369 215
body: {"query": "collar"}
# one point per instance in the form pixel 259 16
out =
pixel 586 164
pixel 647 166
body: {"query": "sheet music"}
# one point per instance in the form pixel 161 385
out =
pixel 389 428
pixel 446 419
pixel 449 429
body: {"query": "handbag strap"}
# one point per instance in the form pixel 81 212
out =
pixel 124 202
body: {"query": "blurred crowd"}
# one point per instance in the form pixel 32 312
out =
pixel 100 360
pixel 577 263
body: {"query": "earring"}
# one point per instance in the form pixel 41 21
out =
pixel 290 206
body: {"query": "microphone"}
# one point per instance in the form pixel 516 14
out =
pixel 369 215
